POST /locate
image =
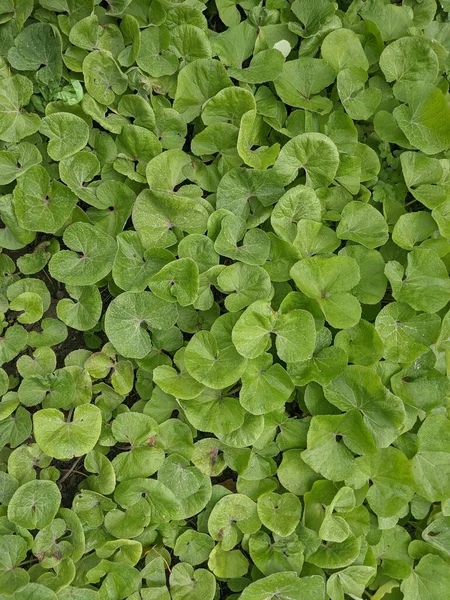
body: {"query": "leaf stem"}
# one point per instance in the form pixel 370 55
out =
pixel 165 561
pixel 70 471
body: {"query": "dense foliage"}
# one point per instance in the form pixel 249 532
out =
pixel 224 300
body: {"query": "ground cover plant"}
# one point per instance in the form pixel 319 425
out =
pixel 224 297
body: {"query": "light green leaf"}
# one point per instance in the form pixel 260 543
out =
pixel 360 388
pixel 405 334
pixel 314 153
pixel 287 586
pixel 389 473
pixel 176 282
pixel 264 66
pixel 89 259
pixel 68 134
pixel 103 77
pixel 65 439
pixel 265 386
pixel 407 61
pixel 155 56
pixel 299 202
pixel 127 316
pixel 15 123
pixel 198 82
pixel 211 357
pixel 280 513
pixel 38 48
pixel 327 454
pixel 42 204
pixel 352 580
pixel 229 104
pixel 301 79
pixel 294 332
pixel 13 551
pixel 34 504
pixel 426 286
pixel 187 584
pixel 364 224
pixel 430 464
pixel 428 581
pixel 85 312
pixel 329 281
pixel 425 121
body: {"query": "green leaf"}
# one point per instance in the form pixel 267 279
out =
pixel 227 564
pixel 264 66
pixel 38 48
pixel 287 586
pixel 314 153
pixel 407 61
pixel 178 384
pixel 265 386
pixel 65 439
pixel 327 454
pixel 17 160
pixel 323 366
pixel 428 580
pixel 155 56
pixel 156 213
pixel 68 134
pixel 40 203
pixel 314 238
pixel 412 228
pixel 301 79
pixel 229 104
pixel 342 49
pixel 176 282
pixel 13 342
pixel 429 465
pixel 389 473
pixel 360 102
pixel 89 259
pixel 352 580
pixel 247 283
pixel 298 203
pixel 143 459
pixel 360 388
pixel 279 512
pixel 77 171
pixel 136 146
pixel 424 121
pixel 354 225
pixel 264 156
pixel 31 305
pixel 234 241
pixel 211 357
pixel 235 45
pixel 34 504
pixel 13 551
pixel 127 316
pixel 103 77
pixel 405 334
pixel 294 332
pixel 361 343
pixel 199 81
pixel 231 517
pixel 191 487
pixel 187 583
pixel 426 286
pixel 85 312
pixel 329 281
pixel 15 123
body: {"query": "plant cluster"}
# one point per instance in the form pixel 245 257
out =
pixel 224 293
